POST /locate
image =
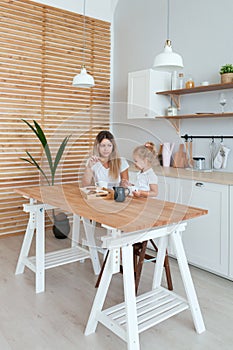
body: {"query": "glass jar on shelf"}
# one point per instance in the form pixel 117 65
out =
pixel 174 80
pixel 181 81
pixel 189 83
pixel 171 111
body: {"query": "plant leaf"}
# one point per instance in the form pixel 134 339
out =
pixel 59 154
pixel 34 162
pixel 41 136
pixel 27 160
pixel 30 126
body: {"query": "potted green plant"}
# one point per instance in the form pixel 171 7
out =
pixel 61 225
pixel 226 73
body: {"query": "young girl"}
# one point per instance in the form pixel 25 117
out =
pixel 105 163
pixel 147 181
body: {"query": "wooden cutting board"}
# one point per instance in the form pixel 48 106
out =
pixel 180 158
pixel 90 192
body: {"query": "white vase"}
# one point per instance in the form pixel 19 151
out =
pixel 167 153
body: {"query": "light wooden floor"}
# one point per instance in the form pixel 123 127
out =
pixel 56 319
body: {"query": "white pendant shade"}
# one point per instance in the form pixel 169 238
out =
pixel 168 60
pixel 83 79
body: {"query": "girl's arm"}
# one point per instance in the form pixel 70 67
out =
pixel 152 193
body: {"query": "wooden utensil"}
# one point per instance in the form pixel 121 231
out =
pixel 191 153
pixel 180 158
pixel 187 153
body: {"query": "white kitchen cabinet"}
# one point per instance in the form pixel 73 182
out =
pixel 231 233
pixel 165 185
pixel 143 102
pixel 166 193
pixel 206 239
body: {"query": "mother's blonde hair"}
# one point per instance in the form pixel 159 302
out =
pixel 114 161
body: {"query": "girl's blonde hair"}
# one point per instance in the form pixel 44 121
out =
pixel 147 151
pixel 114 161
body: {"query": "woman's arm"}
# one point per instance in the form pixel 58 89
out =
pixel 87 177
pixel 88 173
pixel 124 178
pixel 152 193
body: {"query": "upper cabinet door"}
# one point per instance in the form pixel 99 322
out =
pixel 143 102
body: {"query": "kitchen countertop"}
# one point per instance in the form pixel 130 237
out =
pixel 222 178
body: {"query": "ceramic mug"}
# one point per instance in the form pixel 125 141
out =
pixel 120 193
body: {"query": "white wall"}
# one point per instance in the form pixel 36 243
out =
pixel 101 9
pixel 201 31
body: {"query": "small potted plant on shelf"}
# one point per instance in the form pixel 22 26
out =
pixel 61 227
pixel 226 73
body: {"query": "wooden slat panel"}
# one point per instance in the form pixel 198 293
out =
pixel 41 51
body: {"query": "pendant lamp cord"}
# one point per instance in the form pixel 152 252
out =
pixel 168 19
pixel 84 29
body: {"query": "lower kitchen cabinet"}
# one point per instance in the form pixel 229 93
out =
pixel 207 238
pixel 165 185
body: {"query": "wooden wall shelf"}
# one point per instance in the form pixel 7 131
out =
pixel 175 120
pixel 198 115
pixel 175 94
pixel 197 89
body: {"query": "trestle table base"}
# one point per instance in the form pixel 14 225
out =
pixel 42 261
pixel 136 314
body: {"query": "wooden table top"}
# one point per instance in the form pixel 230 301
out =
pixel 132 215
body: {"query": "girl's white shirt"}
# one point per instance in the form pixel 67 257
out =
pixel 145 179
pixel 102 174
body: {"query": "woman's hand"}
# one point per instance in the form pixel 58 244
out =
pixel 124 178
pixel 125 183
pixel 92 161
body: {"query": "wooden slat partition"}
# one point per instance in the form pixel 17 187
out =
pixel 41 51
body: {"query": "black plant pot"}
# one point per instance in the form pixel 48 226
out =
pixel 61 227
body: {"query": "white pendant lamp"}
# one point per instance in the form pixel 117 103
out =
pixel 83 79
pixel 168 60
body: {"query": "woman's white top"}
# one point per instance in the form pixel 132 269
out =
pixel 145 179
pixel 102 174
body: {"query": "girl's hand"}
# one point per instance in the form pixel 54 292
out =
pixel 137 194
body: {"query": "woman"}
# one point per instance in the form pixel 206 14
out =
pixel 105 163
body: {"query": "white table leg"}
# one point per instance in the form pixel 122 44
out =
pixel 188 282
pixel 158 270
pixel 101 292
pixel 130 298
pixel 40 250
pixel 89 229
pixel 27 241
pixel 75 230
